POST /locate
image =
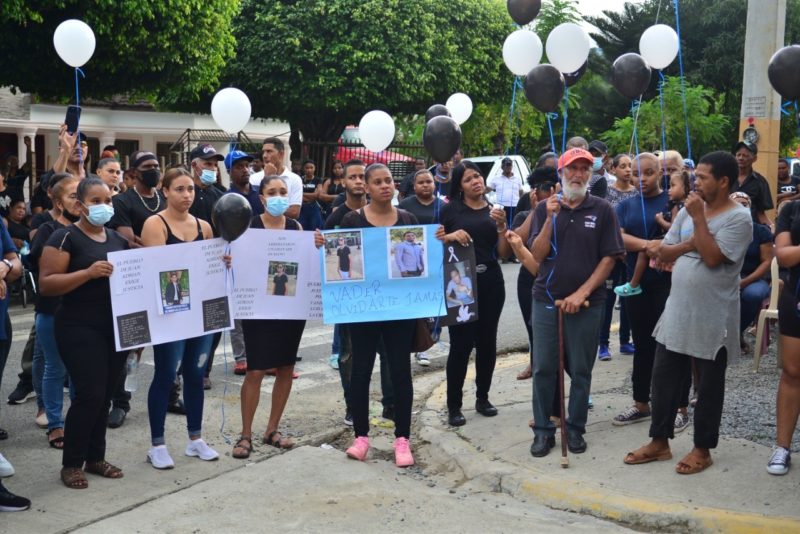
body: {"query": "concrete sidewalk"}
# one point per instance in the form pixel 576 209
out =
pixel 736 494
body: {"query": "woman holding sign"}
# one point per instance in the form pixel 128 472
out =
pixel 469 219
pixel 365 337
pixel 172 226
pixel 269 343
pixel 74 265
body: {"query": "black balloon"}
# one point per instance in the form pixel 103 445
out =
pixel 784 72
pixel 524 11
pixel 544 87
pixel 442 138
pixel 630 75
pixel 232 215
pixel 572 78
pixel 436 110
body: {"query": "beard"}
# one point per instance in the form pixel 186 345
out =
pixel 572 193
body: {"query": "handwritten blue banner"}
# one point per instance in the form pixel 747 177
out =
pixel 381 274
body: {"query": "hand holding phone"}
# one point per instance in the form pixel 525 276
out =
pixel 72 118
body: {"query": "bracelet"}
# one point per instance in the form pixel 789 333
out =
pixel 504 230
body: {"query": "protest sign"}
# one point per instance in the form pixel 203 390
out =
pixel 381 274
pixel 166 293
pixel 276 275
pixel 460 284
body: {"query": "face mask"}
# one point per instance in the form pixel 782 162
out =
pixel 208 177
pixel 598 164
pixel 99 214
pixel 277 206
pixel 70 217
pixel 150 177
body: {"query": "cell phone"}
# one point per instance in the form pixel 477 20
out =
pixel 73 118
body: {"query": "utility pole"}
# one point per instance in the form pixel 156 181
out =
pixel 761 105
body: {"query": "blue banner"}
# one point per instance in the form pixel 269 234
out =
pixel 381 274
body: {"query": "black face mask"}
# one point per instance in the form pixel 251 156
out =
pixel 70 217
pixel 150 177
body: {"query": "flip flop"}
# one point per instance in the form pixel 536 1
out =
pixel 691 465
pixel 637 458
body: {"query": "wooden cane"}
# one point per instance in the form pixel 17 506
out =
pixel 561 392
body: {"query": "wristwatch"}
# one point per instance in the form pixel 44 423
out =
pixel 9 265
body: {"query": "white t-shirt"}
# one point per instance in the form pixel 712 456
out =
pixel 293 183
pixel 506 189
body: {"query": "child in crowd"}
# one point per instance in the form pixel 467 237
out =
pixel 678 191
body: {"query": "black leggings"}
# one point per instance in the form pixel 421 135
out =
pixel 525 298
pixel 365 338
pixel 94 368
pixel 480 335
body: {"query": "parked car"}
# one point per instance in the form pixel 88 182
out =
pixel 794 166
pixel 490 166
pixel 349 149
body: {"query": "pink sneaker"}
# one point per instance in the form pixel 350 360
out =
pixel 402 453
pixel 359 449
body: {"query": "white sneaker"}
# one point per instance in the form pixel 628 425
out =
pixel 779 461
pixel 159 457
pixel 423 359
pixel 199 448
pixel 6 469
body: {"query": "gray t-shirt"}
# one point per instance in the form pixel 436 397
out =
pixel 702 311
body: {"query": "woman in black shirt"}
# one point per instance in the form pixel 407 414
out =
pixel 75 266
pixel 469 219
pixel 16 223
pixel 331 188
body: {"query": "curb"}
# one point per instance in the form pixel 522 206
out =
pixel 453 451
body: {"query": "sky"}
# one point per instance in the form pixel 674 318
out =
pixel 595 7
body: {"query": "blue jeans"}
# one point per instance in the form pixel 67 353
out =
pixel 580 344
pixel 190 355
pixel 751 299
pixel 54 371
pixel 37 372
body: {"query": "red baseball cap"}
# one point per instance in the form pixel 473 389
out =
pixel 574 154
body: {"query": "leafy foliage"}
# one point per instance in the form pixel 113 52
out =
pixel 169 50
pixel 708 125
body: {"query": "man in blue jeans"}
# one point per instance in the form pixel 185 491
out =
pixel 577 241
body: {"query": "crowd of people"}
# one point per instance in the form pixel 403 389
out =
pixel 685 248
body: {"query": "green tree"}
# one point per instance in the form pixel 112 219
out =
pixel 709 126
pixel 171 51
pixel 324 65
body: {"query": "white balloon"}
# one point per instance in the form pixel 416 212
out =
pixel 74 41
pixel 376 130
pixel 460 106
pixel 568 47
pixel 231 110
pixel 659 46
pixel 522 50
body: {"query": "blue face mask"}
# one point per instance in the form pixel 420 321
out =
pixel 598 164
pixel 277 206
pixel 208 177
pixel 99 214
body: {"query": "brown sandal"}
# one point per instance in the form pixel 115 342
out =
pixel 638 457
pixel 248 449
pixel 280 442
pixel 73 478
pixel 104 469
pixel 691 465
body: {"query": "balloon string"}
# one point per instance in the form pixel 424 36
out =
pixel 661 83
pixel 550 117
pixel 797 116
pixel 225 436
pixel 637 104
pixel 683 79
pixel 78 104
pixel 512 110
pixel 566 118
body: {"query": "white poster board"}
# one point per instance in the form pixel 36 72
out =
pixel 167 293
pixel 276 275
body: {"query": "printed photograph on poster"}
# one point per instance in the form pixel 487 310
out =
pixel 459 286
pixel 407 252
pixel 282 279
pixel 344 257
pixel 174 290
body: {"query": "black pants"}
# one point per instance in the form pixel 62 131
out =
pixel 94 368
pixel 365 338
pixel 26 362
pixel 525 298
pixel 480 335
pixel 669 378
pixel 644 310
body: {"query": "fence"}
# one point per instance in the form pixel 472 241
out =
pixel 398 157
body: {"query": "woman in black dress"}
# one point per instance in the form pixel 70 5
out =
pixel 269 343
pixel 75 266
pixel 331 188
pixel 280 280
pixel 469 219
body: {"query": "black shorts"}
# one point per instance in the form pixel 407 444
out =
pixel 788 314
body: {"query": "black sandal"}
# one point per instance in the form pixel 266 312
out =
pixel 56 443
pixel 269 439
pixel 73 478
pixel 104 469
pixel 240 445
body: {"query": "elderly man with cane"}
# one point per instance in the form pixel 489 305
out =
pixel 576 241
